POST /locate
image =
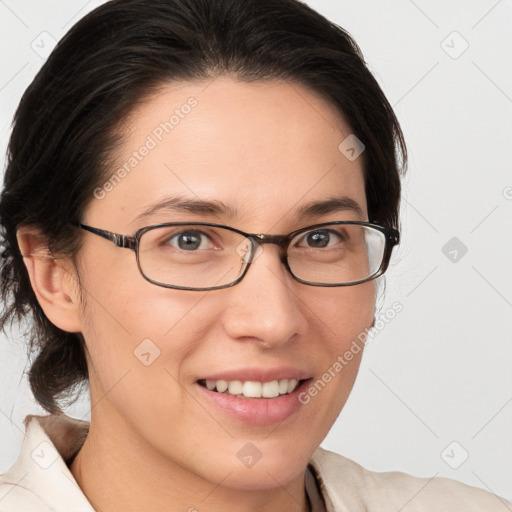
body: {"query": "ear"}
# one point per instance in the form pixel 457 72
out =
pixel 53 280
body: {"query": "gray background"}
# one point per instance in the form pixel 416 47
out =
pixel 435 385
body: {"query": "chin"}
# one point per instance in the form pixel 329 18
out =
pixel 265 477
pixel 265 464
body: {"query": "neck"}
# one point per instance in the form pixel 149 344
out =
pixel 117 471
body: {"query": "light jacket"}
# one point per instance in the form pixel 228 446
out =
pixel 40 480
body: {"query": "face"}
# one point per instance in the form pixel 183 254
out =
pixel 262 150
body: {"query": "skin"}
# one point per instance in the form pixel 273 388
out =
pixel 264 149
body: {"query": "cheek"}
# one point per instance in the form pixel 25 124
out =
pixel 343 319
pixel 126 326
pixel 121 301
pixel 134 327
pixel 138 342
pixel 343 314
pixel 352 326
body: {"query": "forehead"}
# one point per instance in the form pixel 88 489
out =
pixel 263 150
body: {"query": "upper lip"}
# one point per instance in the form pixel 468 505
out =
pixel 259 374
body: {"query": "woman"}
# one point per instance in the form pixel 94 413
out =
pixel 199 198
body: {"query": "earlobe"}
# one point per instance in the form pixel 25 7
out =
pixel 53 280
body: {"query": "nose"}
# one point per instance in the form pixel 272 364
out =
pixel 265 306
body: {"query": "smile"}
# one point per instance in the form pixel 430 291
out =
pixel 252 389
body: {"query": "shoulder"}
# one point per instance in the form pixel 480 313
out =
pixel 40 480
pixel 347 485
pixel 15 497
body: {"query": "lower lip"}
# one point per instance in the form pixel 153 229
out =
pixel 256 411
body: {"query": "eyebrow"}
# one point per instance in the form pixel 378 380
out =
pixel 178 204
pixel 331 205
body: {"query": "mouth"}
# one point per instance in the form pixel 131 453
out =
pixel 254 402
pixel 252 388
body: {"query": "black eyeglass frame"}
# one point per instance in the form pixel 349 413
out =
pixel 392 238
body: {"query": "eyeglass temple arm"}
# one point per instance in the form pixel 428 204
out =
pixel 119 240
pixel 393 239
pixel 394 236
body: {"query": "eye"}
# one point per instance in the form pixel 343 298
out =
pixel 320 238
pixel 190 240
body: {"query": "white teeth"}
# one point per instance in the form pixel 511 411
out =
pixel 253 389
pixel 292 384
pixel 235 387
pixel 221 385
pixel 270 389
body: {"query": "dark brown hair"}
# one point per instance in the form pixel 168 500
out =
pixel 68 121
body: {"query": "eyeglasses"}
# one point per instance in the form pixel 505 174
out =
pixel 206 256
